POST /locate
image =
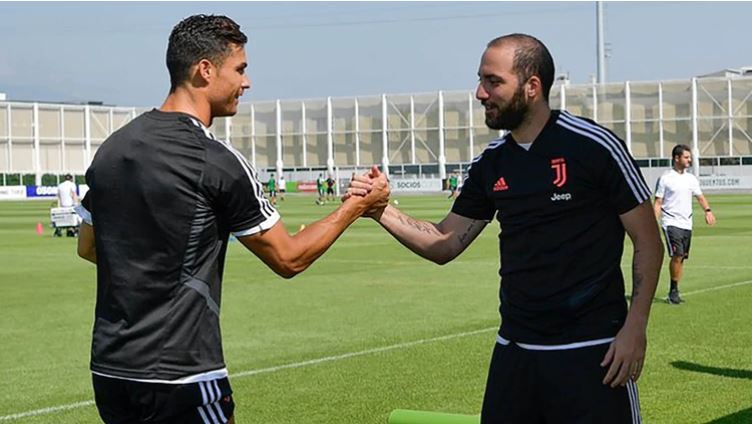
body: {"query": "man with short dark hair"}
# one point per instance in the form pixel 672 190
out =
pixel 564 190
pixel 165 195
pixel 673 206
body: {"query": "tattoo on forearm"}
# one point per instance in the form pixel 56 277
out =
pixel 420 226
pixel 464 238
pixel 636 281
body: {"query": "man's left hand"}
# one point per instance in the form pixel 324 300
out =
pixel 626 355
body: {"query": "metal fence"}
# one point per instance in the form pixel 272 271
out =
pixel 408 134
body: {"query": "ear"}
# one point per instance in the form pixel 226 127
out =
pixel 206 70
pixel 533 86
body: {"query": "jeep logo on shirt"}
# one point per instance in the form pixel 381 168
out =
pixel 563 196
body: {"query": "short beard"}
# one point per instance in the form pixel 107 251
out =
pixel 513 115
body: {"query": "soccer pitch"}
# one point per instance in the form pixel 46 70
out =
pixel 370 327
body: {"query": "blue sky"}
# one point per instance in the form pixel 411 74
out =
pixel 114 52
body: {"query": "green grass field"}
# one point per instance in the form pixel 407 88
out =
pixel 370 327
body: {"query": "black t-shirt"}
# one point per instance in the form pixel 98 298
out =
pixel 561 240
pixel 164 195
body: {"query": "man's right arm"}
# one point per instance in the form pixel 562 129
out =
pixel 288 255
pixel 657 208
pixel 439 243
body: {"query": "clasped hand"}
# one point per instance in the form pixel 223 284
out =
pixel 373 187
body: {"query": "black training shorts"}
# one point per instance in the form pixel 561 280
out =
pixel 124 401
pixel 555 386
pixel 677 241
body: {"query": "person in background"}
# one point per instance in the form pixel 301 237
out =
pixel 330 188
pixel 673 206
pixel 321 189
pixel 282 187
pixel 66 198
pixel 271 187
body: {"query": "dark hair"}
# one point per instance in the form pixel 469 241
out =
pixel 200 37
pixel 531 58
pixel 68 176
pixel 679 150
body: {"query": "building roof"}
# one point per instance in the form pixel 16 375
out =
pixel 729 73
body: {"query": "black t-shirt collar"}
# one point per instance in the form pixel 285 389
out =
pixel 541 136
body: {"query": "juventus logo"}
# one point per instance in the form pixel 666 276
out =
pixel 560 166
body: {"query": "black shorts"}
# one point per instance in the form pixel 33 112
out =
pixel 124 401
pixel 677 241
pixel 555 386
pixel 330 191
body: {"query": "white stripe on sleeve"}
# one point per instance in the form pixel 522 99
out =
pixel 615 148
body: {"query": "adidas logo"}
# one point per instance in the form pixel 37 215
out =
pixel 500 185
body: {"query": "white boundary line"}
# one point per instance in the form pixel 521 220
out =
pixel 726 286
pixel 44 411
pixel 249 373
pixel 317 361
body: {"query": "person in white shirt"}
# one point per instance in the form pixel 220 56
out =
pixel 673 206
pixel 66 193
pixel 66 198
pixel 282 187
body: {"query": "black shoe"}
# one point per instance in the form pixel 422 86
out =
pixel 673 297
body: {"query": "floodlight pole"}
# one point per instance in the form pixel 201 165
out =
pixel 280 163
pixel 329 138
pixel 601 44
pixel 695 132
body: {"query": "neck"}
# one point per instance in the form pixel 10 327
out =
pixel 679 170
pixel 190 102
pixel 537 118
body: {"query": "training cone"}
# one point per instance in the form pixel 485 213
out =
pixel 40 229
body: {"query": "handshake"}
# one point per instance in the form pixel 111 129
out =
pixel 371 190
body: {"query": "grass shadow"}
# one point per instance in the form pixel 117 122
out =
pixel 743 416
pixel 723 372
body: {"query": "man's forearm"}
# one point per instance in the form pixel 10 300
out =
pixel 646 268
pixel 703 203
pixel 657 208
pixel 421 237
pixel 439 243
pixel 317 237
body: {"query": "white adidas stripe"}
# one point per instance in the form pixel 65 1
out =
pixel 639 196
pixel 204 399
pixel 203 415
pixel 669 246
pixel 213 416
pixel 271 215
pixel 217 391
pixel 634 401
pixel 219 412
pixel 493 145
pixel 617 150
pixel 267 210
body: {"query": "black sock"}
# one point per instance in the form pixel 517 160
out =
pixel 674 285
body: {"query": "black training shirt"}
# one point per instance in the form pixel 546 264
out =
pixel 164 195
pixel 561 239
